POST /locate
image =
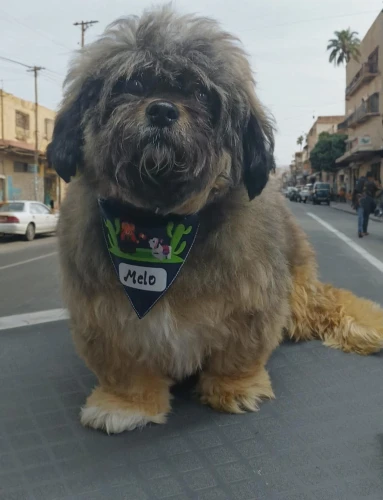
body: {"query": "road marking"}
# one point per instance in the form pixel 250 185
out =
pixel 35 318
pixel 27 261
pixel 360 250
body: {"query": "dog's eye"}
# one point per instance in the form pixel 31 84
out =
pixel 134 87
pixel 202 95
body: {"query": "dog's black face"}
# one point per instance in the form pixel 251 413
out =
pixel 165 127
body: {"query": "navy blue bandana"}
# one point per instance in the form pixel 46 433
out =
pixel 147 250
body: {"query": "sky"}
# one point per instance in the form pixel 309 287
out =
pixel 286 41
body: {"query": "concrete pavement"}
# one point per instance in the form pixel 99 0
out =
pixel 319 440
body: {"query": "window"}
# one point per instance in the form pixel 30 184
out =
pixel 48 128
pixel 373 60
pixel 34 208
pixel 21 168
pixel 22 125
pixel 12 207
pixel 41 209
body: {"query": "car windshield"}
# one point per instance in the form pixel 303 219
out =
pixel 12 207
pixel 322 186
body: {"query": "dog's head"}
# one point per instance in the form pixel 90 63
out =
pixel 161 112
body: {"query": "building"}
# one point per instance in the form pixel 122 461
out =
pixel 329 124
pixel 364 108
pixel 296 168
pixel 18 176
pixel 300 168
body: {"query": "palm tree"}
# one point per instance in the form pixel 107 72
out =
pixel 300 141
pixel 344 47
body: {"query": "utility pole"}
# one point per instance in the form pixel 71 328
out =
pixel 84 26
pixel 35 70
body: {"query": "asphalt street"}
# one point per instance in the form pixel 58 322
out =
pixel 320 439
pixel 29 272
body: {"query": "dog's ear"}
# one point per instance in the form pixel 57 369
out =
pixel 64 153
pixel 258 150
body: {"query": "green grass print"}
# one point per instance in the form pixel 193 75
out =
pixel 145 254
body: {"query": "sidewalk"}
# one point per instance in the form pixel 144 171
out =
pixel 346 207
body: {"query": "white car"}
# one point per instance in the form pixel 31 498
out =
pixel 306 192
pixel 27 218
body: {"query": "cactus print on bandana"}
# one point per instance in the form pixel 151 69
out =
pixel 147 250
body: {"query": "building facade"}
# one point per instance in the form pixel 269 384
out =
pixel 19 178
pixel 364 111
pixel 300 167
pixel 322 124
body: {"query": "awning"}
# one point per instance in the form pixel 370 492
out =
pixel 357 156
pixel 19 148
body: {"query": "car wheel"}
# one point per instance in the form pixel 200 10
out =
pixel 30 232
pixel 328 203
pixel 304 201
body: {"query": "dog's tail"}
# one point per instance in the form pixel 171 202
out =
pixel 337 317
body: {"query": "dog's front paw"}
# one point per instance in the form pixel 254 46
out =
pixel 236 395
pixel 114 421
pixel 114 414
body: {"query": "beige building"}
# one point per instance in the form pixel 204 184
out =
pixel 327 124
pixel 364 108
pixel 18 176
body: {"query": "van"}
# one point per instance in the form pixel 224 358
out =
pixel 321 193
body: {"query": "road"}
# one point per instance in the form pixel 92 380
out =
pixel 29 272
pixel 320 439
pixel 29 276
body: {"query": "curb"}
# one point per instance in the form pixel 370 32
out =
pixel 375 219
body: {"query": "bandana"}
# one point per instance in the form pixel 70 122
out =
pixel 147 250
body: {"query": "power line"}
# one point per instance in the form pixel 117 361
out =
pixel 84 26
pixel 55 73
pixel 290 23
pixel 15 62
pixel 38 32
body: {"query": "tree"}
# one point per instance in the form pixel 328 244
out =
pixel 300 141
pixel 344 47
pixel 328 148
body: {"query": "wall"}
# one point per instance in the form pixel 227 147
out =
pixel 21 185
pixel 373 126
pixel 11 105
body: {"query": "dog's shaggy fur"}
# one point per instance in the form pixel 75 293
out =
pixel 251 275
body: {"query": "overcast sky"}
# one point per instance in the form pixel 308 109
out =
pixel 286 40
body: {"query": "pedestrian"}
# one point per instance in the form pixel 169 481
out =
pixel 356 204
pixel 363 201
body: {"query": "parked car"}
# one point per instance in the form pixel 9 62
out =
pixel 295 194
pixel 306 192
pixel 321 193
pixel 27 218
pixel 289 191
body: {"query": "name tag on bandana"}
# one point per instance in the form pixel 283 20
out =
pixel 147 250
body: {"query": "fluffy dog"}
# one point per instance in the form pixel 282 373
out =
pixel 161 113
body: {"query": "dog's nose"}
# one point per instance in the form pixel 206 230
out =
pixel 162 113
